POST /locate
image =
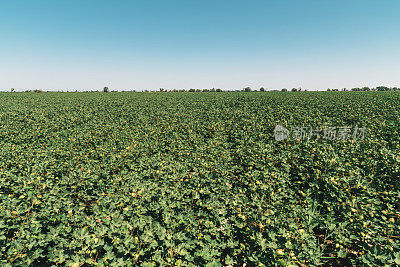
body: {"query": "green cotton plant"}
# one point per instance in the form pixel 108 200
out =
pixel 198 180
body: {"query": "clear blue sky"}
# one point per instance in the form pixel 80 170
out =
pixel 148 44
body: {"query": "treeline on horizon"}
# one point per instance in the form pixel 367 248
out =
pixel 246 89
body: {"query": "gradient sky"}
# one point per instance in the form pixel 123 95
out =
pixel 228 44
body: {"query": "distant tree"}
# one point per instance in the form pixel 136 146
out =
pixel 162 90
pixel 247 89
pixel 12 90
pixel 105 90
pixel 329 90
pixel 218 90
pixel 382 88
pixel 294 90
pixel 284 90
pixel 365 88
pixel 262 89
pixel 212 90
pixel 206 90
pixel 198 90
pixel 192 90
